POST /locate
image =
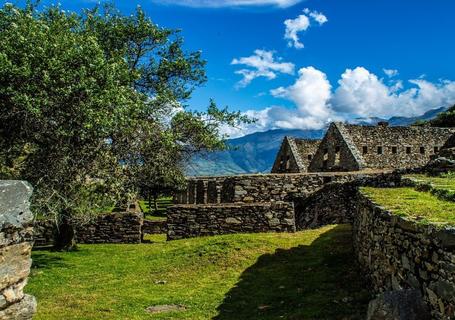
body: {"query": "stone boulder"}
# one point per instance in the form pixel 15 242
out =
pixel 16 234
pixel 398 305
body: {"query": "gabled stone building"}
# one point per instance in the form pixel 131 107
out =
pixel 348 147
pixel 295 155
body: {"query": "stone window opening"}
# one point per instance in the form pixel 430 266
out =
pixel 379 150
pixel 436 149
pixel 325 163
pixel 408 150
pixel 365 150
pixel 394 150
pixel 310 157
pixel 422 150
pixel 337 155
pixel 287 162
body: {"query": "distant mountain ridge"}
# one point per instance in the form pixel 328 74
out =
pixel 255 153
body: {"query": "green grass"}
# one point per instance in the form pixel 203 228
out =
pixel 415 204
pixel 446 181
pixel 306 275
pixel 162 203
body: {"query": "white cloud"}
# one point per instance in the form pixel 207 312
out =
pixel 390 72
pixel 310 93
pixel 300 24
pixel 360 93
pixel 229 3
pixel 261 64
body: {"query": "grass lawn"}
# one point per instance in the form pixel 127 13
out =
pixel 415 204
pixel 306 275
pixel 446 181
pixel 162 204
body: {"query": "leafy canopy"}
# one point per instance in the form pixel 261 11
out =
pixel 93 106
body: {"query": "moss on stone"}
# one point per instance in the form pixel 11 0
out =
pixel 420 206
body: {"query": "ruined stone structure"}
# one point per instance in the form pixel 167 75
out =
pixel 118 227
pixel 348 147
pixel 295 155
pixel 266 203
pixel 396 253
pixel 16 228
pixel 188 221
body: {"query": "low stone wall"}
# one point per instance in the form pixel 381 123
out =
pixel 118 227
pixel 333 204
pixel 16 229
pixel 154 227
pixel 186 221
pixel 121 227
pixel 397 253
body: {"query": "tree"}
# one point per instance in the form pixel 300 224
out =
pixel 90 102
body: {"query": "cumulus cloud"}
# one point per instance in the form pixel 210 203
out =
pixel 261 64
pixel 229 3
pixel 362 93
pixel 300 24
pixel 359 93
pixel 310 93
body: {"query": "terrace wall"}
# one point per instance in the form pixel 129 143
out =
pixel 16 228
pixel 396 253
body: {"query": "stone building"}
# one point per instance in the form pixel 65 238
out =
pixel 295 155
pixel 347 147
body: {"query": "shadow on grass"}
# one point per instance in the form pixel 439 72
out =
pixel 320 281
pixel 43 260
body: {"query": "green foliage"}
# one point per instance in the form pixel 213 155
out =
pixel 422 206
pixel 305 275
pixel 93 107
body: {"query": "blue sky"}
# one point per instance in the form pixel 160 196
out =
pixel 338 74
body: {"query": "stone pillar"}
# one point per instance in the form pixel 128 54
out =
pixel 201 192
pixel 191 192
pixel 16 236
pixel 212 192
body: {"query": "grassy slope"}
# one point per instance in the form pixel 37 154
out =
pixel 307 275
pixel 446 182
pixel 412 203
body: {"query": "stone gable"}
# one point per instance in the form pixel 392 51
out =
pixel 348 147
pixel 295 155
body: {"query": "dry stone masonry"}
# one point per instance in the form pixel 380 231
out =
pixel 16 227
pixel 118 227
pixel 397 254
pixel 188 221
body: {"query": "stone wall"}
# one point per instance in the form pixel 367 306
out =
pixel 15 250
pixel 118 227
pixel 265 187
pixel 295 155
pixel 154 227
pixel 186 221
pixel 333 204
pixel 396 253
pixel 348 147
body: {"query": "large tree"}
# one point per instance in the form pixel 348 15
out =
pixel 92 102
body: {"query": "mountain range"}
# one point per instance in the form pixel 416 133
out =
pixel 255 153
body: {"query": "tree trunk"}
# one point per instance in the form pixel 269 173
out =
pixel 155 198
pixel 64 238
